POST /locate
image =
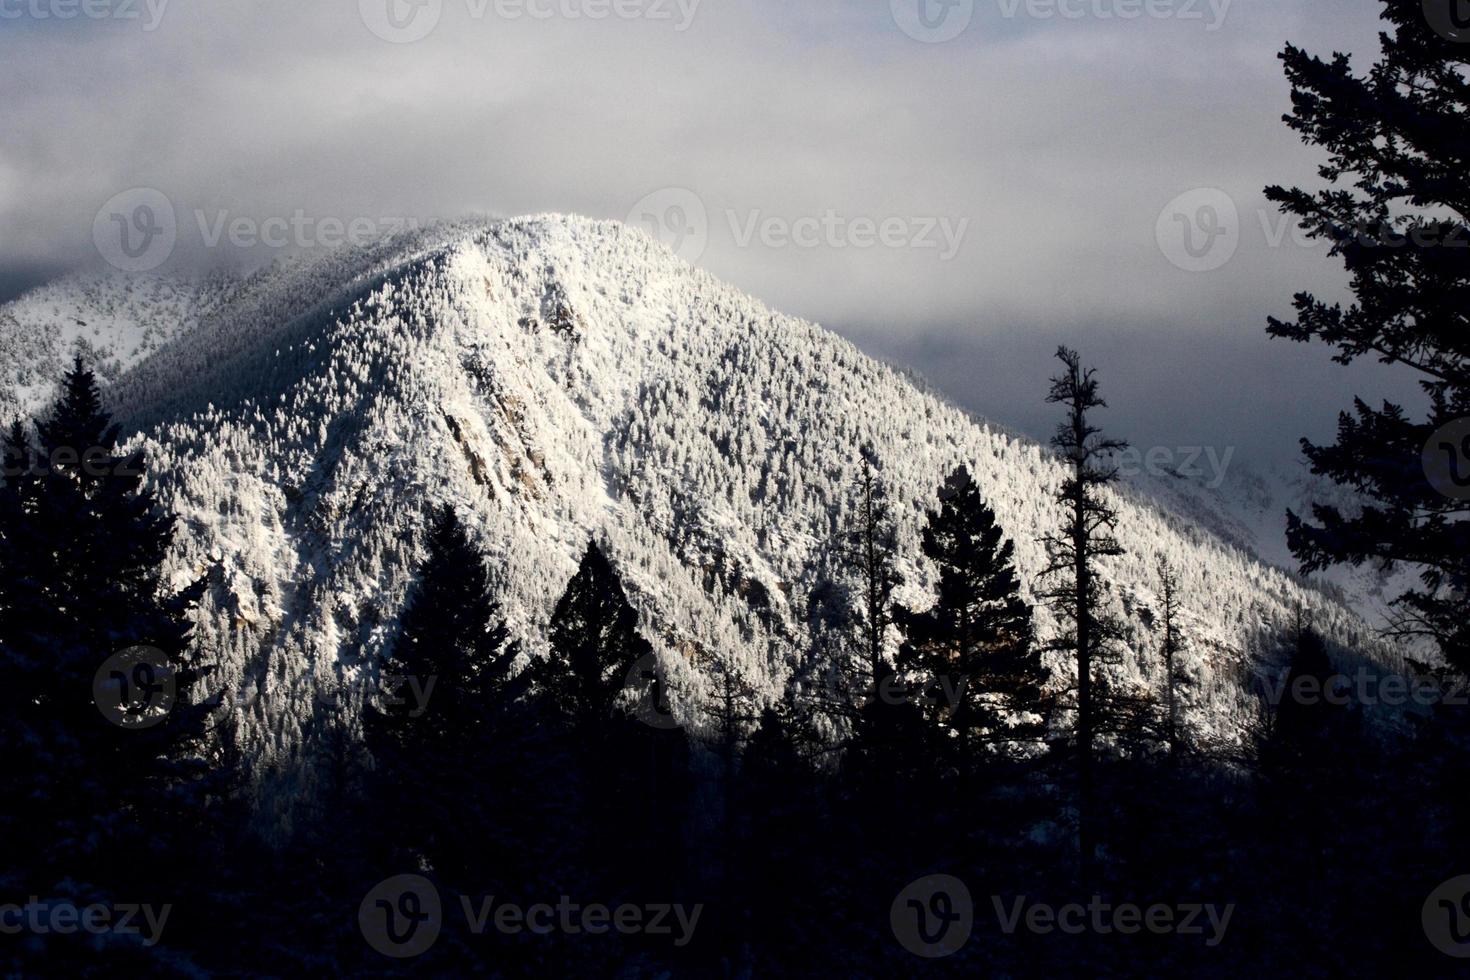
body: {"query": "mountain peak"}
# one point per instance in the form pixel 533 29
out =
pixel 557 380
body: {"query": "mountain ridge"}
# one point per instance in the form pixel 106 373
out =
pixel 560 379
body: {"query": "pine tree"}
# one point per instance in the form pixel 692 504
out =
pixel 102 789
pixel 1397 217
pixel 439 729
pixel 1171 646
pixel 872 546
pixel 1086 535
pixel 595 646
pixel 976 641
pixel 603 682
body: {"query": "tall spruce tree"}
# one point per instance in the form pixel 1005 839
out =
pixel 1086 535
pixel 872 552
pixel 1172 644
pixel 976 641
pixel 1396 215
pixel 603 681
pixel 595 645
pixel 437 729
pixel 101 791
pixel 889 736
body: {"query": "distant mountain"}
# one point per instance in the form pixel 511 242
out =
pixel 559 379
pixel 114 321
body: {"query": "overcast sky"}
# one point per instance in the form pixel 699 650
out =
pixel 958 187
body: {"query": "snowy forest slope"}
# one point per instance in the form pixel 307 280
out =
pixel 560 379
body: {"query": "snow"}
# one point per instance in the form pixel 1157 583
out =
pixel 559 379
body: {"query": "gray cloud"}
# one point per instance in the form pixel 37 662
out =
pixel 1057 141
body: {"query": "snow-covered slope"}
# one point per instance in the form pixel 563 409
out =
pixel 559 379
pixel 1246 505
pixel 114 321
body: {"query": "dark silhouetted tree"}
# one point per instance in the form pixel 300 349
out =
pixel 107 798
pixel 1396 214
pixel 437 727
pixel 1171 645
pixel 976 643
pixel 595 644
pixel 1086 535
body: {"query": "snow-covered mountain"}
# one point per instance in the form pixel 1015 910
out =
pixel 1246 505
pixel 114 321
pixel 560 379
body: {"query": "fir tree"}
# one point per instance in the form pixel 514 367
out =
pixel 603 682
pixel 595 645
pixel 1396 214
pixel 872 546
pixel 438 728
pixel 976 640
pixel 1086 535
pixel 103 789
pixel 1172 644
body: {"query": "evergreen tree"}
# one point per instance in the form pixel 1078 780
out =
pixel 1171 646
pixel 595 645
pixel 976 640
pixel 1086 535
pixel 438 729
pixel 889 739
pixel 1396 214
pixel 101 790
pixel 872 547
pixel 603 681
